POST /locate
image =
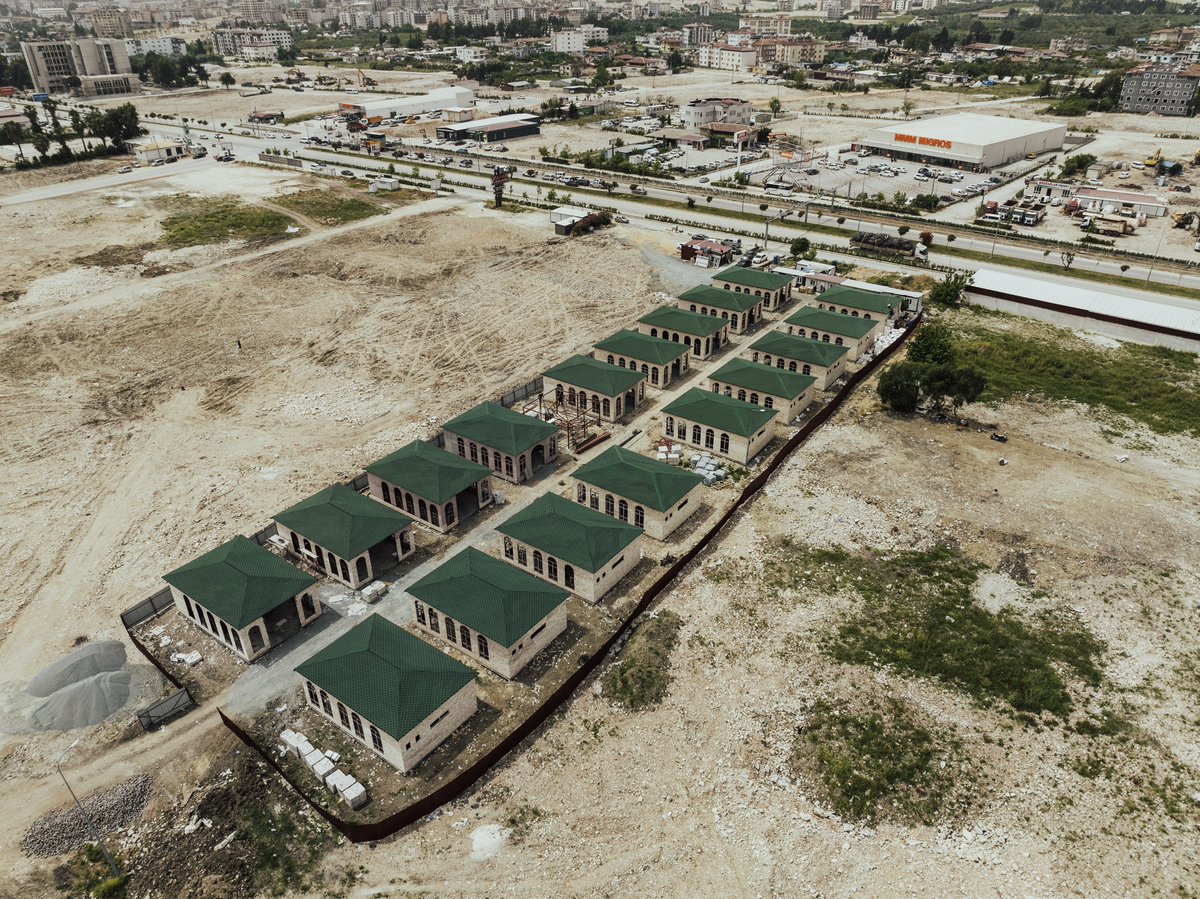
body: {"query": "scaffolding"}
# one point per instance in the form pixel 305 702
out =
pixel 573 421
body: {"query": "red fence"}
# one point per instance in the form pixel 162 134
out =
pixel 452 789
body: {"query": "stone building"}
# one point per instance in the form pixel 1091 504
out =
pixel 705 334
pixel 774 289
pixel 438 488
pixel 772 388
pixel 857 303
pixel 350 536
pixel 582 551
pixel 857 334
pixel 661 361
pixel 390 691
pixel 609 391
pixel 245 597
pixel 724 426
pixel 824 361
pixel 629 486
pixel 497 614
pixel 511 444
pixel 742 309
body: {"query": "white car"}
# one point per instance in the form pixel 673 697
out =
pixel 125 170
pixel 1123 175
pixel 921 177
pixel 1095 182
pixel 760 259
pixel 1137 165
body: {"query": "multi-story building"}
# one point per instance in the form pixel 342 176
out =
pixel 789 52
pixel 697 34
pixel 760 25
pixel 1166 90
pixel 256 41
pixel 163 46
pixel 699 113
pixel 111 22
pixel 730 59
pixel 101 65
pixel 577 39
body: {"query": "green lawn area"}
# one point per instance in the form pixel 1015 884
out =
pixel 329 207
pixel 200 222
pixel 1155 386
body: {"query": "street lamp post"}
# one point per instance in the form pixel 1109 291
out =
pixel 112 865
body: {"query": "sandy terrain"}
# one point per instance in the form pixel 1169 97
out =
pixel 140 434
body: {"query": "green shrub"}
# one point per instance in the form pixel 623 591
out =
pixel 642 676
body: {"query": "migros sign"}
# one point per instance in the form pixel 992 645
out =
pixel 923 141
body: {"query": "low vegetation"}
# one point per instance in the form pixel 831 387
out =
pixel 200 222
pixel 1156 386
pixel 86 874
pixel 329 207
pixel 641 678
pixel 284 849
pixel 880 760
pixel 934 373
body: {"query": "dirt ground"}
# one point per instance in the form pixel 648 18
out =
pixel 138 434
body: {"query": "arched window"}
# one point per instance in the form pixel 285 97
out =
pixel 420 612
pixel 654 375
pixel 825 338
pixel 645 368
pixel 569 577
pixel 343 716
pixel 779 362
pixel 386 491
pixel 623 511
pixel 729 391
pixel 449 513
pixel 481 643
pixel 558 393
pixel 792 366
pixel 508 468
pixel 611 360
pixel 408 503
pixel 595 403
pixel 376 740
pixel 855 314
pixel 608 504
pixel 422 509
pixel 670 426
pixel 433 515
pixel 742 395
pixel 594 501
pixel 508 548
pixel 807 370
pixel 696 346
pixel 754 398
pixel 552 568
pixel 325 703
pixel 768 402
pixel 838 341
pixel 522 558
pixel 654 332
pixel 620 364
pixel 709 437
pixel 450 635
pixel 696 434
pixel 462 450
pixel 464 637
pixel 581 494
pixel 639 517
pixel 537 561
pixel 358 728
pixel 755 357
pixel 692 307
pixel 433 621
pixel 724 443
pixel 571 396
pixel 816 335
pixel 312 693
pixel 607 407
pixel 767 359
pixel 716 387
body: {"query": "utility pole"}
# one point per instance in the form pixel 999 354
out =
pixel 112 865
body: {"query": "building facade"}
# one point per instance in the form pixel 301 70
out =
pixel 726 57
pixel 101 65
pixel 660 361
pixel 437 488
pixel 788 392
pixel 727 427
pixel 511 444
pixel 620 482
pixel 742 310
pixel 705 334
pixel 824 361
pixel 609 391
pixel 698 113
pixel 1162 89
pixel 855 333
pixel 774 289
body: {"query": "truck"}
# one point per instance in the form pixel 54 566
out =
pixel 889 245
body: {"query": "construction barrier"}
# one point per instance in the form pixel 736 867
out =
pixel 460 783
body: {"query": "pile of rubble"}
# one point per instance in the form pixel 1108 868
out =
pixel 66 829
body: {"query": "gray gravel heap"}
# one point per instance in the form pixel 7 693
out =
pixel 65 830
pixel 87 661
pixel 85 703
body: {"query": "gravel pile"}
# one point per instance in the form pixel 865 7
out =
pixel 85 703
pixel 85 662
pixel 65 830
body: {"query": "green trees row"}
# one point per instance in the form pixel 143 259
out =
pixel 111 127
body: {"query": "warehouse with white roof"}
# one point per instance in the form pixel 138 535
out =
pixel 965 140
pixel 1166 321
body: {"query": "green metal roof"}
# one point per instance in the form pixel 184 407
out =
pixel 790 346
pixel 570 531
pixel 682 320
pixel 594 375
pixel 344 522
pixel 752 277
pixel 722 412
pixel 763 378
pixel 239 581
pixel 489 596
pixel 642 347
pixel 492 425
pixel 645 481
pixel 833 322
pixel 856 298
pixel 705 295
pixel 427 471
pixel 387 675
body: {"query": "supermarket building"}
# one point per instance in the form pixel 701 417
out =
pixel 965 140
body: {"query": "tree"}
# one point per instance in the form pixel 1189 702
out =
pixel 227 80
pixel 1067 259
pixel 41 143
pixel 953 383
pixel 77 126
pixel 691 202
pixel 933 345
pixel 900 388
pixel 800 246
pixel 908 106
pixel 949 292
pixel 926 237
pixel 13 134
pixel 774 105
pixel 674 61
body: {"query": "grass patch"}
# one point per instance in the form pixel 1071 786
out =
pixel 283 853
pixel 879 762
pixel 919 617
pixel 202 222
pixel 86 874
pixel 1155 386
pixel 641 678
pixel 328 207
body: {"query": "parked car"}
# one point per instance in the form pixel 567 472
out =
pixel 466 163
pixel 125 170
pixel 158 162
pixel 1137 165
pixel 921 177
pixel 346 173
pixel 621 219
pixel 1095 182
